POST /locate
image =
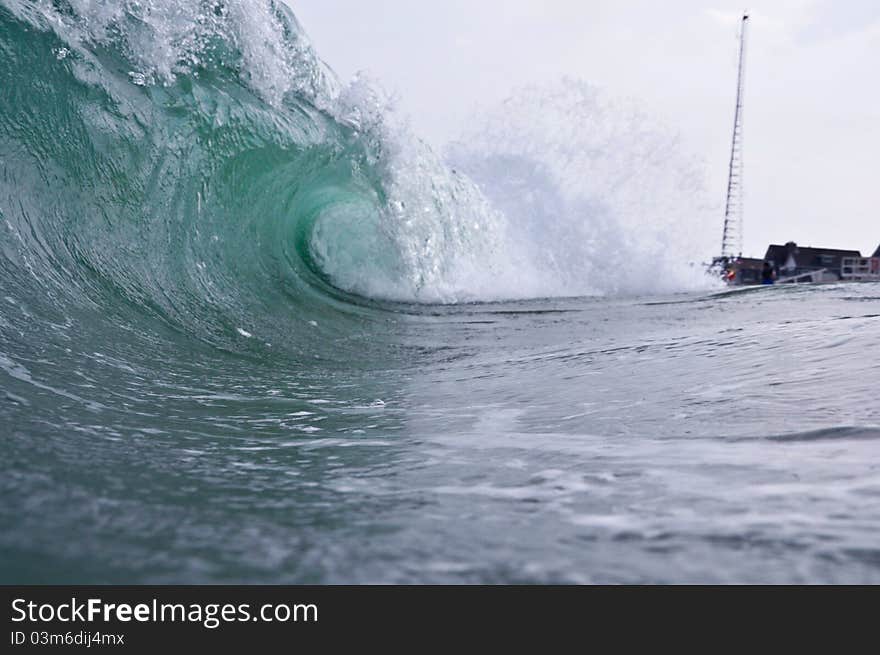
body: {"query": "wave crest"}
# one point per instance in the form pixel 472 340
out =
pixel 199 161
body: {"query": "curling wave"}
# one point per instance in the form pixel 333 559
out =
pixel 200 163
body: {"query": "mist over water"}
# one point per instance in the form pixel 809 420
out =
pixel 596 195
pixel 252 329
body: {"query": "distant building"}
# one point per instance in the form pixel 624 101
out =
pixel 746 270
pixel 791 260
pixel 877 252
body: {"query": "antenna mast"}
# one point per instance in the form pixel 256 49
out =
pixel 732 240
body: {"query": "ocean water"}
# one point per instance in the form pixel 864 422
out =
pixel 254 330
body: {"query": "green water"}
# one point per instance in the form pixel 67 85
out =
pixel 223 359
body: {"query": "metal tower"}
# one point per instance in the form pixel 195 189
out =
pixel 732 240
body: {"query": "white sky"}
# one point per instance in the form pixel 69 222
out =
pixel 812 101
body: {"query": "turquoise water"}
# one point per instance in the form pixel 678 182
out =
pixel 250 333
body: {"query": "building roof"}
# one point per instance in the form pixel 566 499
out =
pixel 877 252
pixel 749 263
pixel 808 257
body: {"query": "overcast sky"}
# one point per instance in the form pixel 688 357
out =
pixel 812 101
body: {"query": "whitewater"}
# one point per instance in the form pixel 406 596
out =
pixel 253 329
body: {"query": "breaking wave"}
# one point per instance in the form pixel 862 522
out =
pixel 199 162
